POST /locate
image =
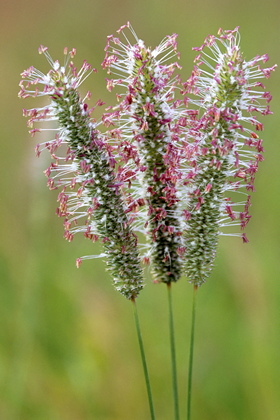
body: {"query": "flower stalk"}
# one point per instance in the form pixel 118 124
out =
pixel 144 361
pixel 191 353
pixel 173 353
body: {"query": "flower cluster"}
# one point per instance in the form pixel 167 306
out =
pixel 227 145
pixel 153 165
pixel 150 122
pixel 89 189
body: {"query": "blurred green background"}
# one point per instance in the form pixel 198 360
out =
pixel 68 348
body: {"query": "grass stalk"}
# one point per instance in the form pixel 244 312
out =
pixel 144 362
pixel 173 354
pixel 189 401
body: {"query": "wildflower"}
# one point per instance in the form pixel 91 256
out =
pixel 226 143
pixel 84 174
pixel 150 125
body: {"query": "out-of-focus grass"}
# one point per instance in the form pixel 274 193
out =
pixel 68 349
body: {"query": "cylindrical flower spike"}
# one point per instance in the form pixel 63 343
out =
pixel 150 123
pixel 85 173
pixel 226 148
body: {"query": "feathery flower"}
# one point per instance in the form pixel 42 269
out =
pixel 89 190
pixel 150 124
pixel 226 146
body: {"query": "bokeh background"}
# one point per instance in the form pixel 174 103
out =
pixel 68 348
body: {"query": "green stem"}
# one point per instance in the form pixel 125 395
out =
pixel 144 363
pixel 173 354
pixel 191 355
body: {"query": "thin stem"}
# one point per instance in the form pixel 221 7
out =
pixel 144 363
pixel 173 354
pixel 191 355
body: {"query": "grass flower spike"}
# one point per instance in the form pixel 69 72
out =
pixel 226 144
pixel 150 125
pixel 89 190
pixel 152 166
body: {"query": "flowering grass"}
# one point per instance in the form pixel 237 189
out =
pixel 175 161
